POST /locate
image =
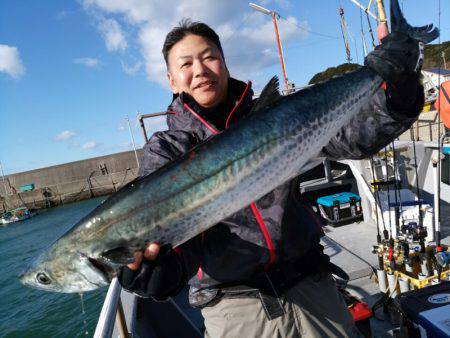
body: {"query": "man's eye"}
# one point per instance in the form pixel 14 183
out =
pixel 186 64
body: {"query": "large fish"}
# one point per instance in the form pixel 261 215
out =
pixel 211 182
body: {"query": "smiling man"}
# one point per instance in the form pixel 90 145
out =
pixel 197 68
pixel 262 271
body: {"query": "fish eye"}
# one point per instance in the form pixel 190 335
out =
pixel 42 278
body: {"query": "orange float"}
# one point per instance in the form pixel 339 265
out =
pixel 442 104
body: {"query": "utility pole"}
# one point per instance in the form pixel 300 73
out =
pixel 132 140
pixel 275 16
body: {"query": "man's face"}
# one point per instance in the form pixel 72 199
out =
pixel 197 68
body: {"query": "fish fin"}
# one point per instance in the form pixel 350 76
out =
pixel 423 34
pixel 120 255
pixel 269 94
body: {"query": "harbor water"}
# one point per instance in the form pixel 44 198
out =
pixel 26 312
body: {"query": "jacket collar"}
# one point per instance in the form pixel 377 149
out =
pixel 185 114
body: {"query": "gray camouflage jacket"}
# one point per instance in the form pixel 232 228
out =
pixel 277 227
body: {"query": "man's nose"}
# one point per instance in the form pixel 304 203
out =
pixel 200 68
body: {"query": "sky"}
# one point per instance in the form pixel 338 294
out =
pixel 72 71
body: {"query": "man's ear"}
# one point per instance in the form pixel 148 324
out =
pixel 172 84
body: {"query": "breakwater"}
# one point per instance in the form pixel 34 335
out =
pixel 69 182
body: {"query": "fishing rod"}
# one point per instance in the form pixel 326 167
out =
pixel 439 254
pixel 417 177
pixel 376 206
pixel 398 199
pixel 378 202
pixel 388 193
pixel 438 214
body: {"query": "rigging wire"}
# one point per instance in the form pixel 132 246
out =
pixel 370 30
pixel 308 30
pixel 363 34
pixel 354 42
pixel 246 19
pixel 238 29
pixel 288 47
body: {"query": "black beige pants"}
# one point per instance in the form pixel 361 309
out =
pixel 314 308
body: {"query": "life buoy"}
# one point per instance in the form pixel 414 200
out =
pixel 442 104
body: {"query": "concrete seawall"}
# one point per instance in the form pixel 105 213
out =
pixel 69 182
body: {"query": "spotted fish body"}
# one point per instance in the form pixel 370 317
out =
pixel 211 182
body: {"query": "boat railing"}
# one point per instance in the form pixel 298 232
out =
pixel 426 129
pixel 112 314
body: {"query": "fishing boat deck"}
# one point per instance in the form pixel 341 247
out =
pixel 349 247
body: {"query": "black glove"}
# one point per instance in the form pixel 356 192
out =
pixel 398 61
pixel 159 279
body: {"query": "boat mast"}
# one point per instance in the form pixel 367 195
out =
pixel 344 33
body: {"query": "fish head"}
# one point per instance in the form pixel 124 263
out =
pixel 67 273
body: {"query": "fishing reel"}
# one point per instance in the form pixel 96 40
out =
pixel 414 231
pixel 442 258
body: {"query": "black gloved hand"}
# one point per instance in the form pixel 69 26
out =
pixel 398 60
pixel 158 279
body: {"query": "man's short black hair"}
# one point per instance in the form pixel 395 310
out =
pixel 186 27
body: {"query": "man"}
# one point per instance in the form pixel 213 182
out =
pixel 260 272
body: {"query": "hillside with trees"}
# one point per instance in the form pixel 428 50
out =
pixel 433 59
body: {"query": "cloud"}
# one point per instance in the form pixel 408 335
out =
pixel 120 127
pixel 89 145
pixel 148 22
pixel 131 69
pixel 88 62
pixel 63 14
pixel 113 35
pixel 10 62
pixel 65 135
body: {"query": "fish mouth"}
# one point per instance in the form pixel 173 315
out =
pixel 105 270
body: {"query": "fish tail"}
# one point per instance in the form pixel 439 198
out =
pixel 423 34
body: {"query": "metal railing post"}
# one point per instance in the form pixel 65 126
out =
pixel 120 321
pixel 111 310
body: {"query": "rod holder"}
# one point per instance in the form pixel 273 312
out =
pixel 382 282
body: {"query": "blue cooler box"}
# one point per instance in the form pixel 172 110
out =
pixel 429 308
pixel 341 207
